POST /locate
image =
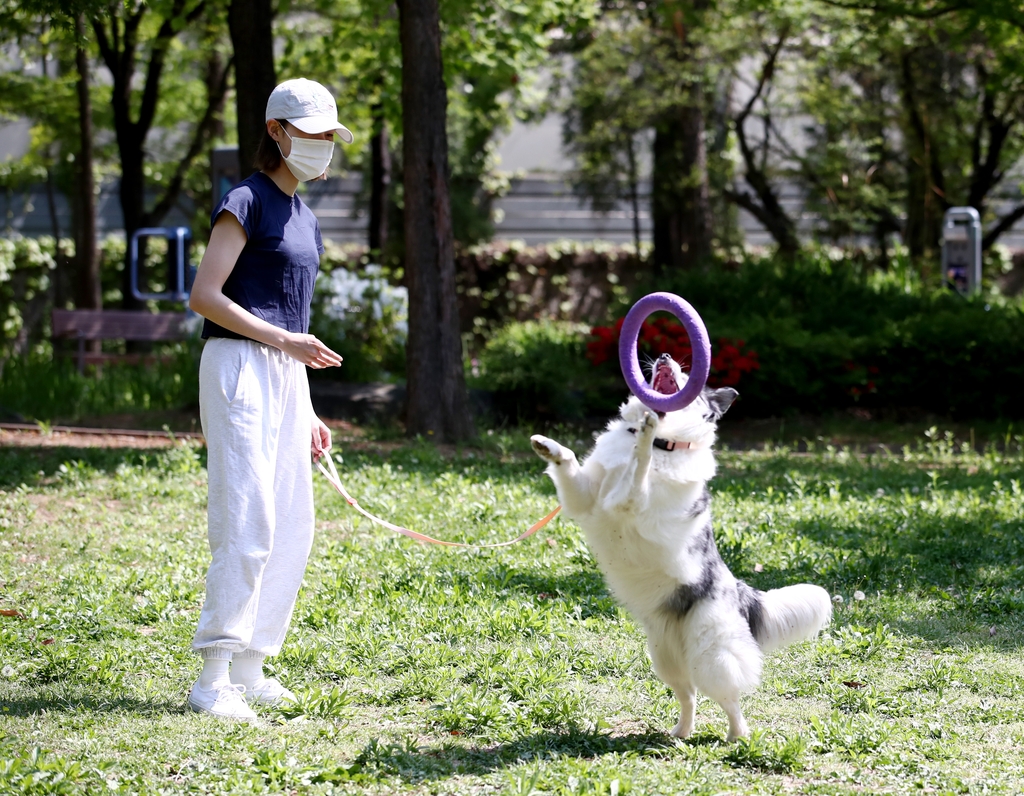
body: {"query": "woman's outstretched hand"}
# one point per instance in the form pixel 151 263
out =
pixel 310 351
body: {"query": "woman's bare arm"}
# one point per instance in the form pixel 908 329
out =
pixel 227 239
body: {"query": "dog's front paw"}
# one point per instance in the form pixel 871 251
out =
pixel 548 449
pixel 647 426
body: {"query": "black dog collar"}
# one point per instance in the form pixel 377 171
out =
pixel 671 445
pixel 668 444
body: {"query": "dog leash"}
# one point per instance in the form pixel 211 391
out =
pixel 335 481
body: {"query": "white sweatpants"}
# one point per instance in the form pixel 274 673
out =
pixel 256 416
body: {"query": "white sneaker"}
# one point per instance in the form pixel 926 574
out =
pixel 225 701
pixel 267 691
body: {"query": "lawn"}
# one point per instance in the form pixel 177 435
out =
pixel 430 670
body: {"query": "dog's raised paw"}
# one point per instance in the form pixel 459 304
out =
pixel 650 422
pixel 547 449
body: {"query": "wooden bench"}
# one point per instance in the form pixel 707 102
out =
pixel 135 325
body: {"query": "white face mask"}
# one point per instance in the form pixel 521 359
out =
pixel 310 157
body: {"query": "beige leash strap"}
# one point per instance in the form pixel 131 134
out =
pixel 332 476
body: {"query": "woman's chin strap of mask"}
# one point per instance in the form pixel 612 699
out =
pixel 309 157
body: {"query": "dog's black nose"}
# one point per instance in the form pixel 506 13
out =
pixel 664 358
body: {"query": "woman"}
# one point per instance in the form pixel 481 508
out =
pixel 254 288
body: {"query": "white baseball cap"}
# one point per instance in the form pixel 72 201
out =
pixel 307 105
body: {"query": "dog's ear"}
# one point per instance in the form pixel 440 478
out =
pixel 720 400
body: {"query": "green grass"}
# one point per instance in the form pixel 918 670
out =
pixel 47 389
pixel 427 670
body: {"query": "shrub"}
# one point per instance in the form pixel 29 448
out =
pixel 536 370
pixel 26 268
pixel 816 335
pixel 565 280
pixel 363 317
pixel 830 335
pixel 665 335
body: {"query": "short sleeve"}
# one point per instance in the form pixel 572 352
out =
pixel 243 203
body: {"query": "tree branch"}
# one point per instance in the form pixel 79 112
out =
pixel 1001 226
pixel 769 212
pixel 106 51
pixel 199 140
pixel 986 175
pixel 901 9
pixel 154 70
pixel 766 74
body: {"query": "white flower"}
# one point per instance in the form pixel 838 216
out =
pixel 360 302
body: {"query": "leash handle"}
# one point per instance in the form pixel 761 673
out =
pixel 335 481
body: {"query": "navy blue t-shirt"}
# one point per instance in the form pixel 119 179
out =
pixel 274 275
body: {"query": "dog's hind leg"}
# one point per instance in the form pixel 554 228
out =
pixel 687 697
pixel 671 672
pixel 573 486
pixel 737 724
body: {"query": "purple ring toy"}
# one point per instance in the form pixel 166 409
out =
pixel 699 343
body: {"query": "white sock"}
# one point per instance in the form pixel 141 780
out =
pixel 247 670
pixel 214 673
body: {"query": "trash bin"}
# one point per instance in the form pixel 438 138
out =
pixel 961 249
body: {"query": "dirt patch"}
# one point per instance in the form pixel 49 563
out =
pixel 18 435
pixel 89 438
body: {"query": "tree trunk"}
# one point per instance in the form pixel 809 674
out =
pixel 252 37
pixel 88 293
pixel 926 184
pixel 380 180
pixel 438 403
pixel 666 240
pixel 680 203
pixel 132 194
pixel 696 204
pixel 680 206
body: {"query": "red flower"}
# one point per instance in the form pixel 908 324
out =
pixel 665 335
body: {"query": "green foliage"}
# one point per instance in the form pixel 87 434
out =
pixel 492 52
pixel 759 751
pixel 192 60
pixel 42 387
pixel 618 91
pixel 41 91
pixel 831 333
pixel 27 268
pixel 829 330
pixel 35 771
pixel 537 369
pixel 904 114
pixel 359 312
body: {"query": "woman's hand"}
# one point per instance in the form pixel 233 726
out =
pixel 310 351
pixel 321 438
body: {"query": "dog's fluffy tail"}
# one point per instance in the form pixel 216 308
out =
pixel 793 613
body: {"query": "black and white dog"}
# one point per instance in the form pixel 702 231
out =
pixel 642 500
